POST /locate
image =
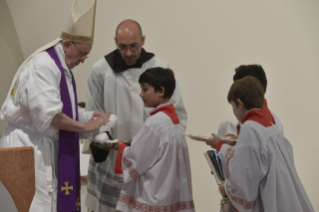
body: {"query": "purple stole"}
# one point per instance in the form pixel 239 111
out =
pixel 69 183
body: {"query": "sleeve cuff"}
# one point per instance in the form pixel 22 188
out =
pixel 219 145
pixel 118 163
pixel 85 116
pixel 227 192
pixel 44 122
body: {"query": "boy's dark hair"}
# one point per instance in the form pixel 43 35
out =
pixel 251 70
pixel 157 77
pixel 249 91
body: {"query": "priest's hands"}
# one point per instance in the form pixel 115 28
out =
pixel 97 114
pixel 98 119
pixel 64 122
pixel 212 141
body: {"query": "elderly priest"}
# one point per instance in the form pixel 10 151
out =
pixel 41 111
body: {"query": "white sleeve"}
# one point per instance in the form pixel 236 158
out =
pixel 41 94
pixel 84 117
pixel 95 96
pixel 177 100
pixel 139 157
pixel 226 127
pixel 95 93
pixel 245 168
pixel 277 121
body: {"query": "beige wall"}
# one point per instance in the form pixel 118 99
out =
pixel 10 51
pixel 204 41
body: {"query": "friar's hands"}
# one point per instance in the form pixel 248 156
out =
pixel 212 141
pixel 96 122
pixel 84 179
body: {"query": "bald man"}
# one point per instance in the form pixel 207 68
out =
pixel 113 87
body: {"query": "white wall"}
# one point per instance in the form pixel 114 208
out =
pixel 204 41
pixel 10 52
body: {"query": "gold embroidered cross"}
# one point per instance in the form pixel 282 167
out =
pixel 78 204
pixel 67 188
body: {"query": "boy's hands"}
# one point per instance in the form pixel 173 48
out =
pixel 222 190
pixel 212 141
pixel 231 136
pixel 118 144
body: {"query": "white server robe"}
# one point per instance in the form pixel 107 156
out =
pixel 260 171
pixel 28 116
pixel 118 93
pixel 230 127
pixel 156 169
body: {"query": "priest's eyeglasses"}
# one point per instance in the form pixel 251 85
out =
pixel 83 57
pixel 133 48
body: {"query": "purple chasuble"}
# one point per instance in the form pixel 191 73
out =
pixel 69 183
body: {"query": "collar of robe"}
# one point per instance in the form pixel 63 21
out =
pixel 268 113
pixel 118 64
pixel 169 110
pixel 257 115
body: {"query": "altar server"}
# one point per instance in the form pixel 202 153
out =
pixel 156 167
pixel 113 88
pixel 259 170
pixel 231 128
pixel 258 72
pixel 41 111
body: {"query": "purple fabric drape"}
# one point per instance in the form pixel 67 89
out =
pixel 69 183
